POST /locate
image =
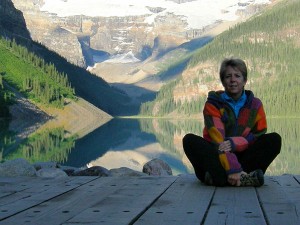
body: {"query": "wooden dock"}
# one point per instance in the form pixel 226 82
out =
pixel 180 200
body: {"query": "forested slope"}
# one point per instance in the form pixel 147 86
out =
pixel 36 79
pixel 269 43
pixel 86 85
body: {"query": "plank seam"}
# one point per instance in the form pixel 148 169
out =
pixel 151 204
pixel 4 218
pixel 261 207
pixel 208 207
pixel 298 181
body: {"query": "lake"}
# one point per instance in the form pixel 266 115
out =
pixel 133 142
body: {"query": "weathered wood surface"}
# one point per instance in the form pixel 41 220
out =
pixel 174 200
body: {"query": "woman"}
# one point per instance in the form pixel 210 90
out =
pixel 235 149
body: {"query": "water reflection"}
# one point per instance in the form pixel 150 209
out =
pixel 288 160
pixel 126 143
pixel 44 145
pixel 6 137
pixel 131 143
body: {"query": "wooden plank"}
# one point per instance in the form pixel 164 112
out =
pixel 72 203
pixel 185 202
pixel 24 186
pixel 124 205
pixel 234 206
pixel 146 200
pixel 13 180
pixel 297 177
pixel 280 200
pixel 11 185
pixel 292 189
pixel 37 191
pixel 65 206
pixel 32 186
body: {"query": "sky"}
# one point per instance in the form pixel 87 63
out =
pixel 198 14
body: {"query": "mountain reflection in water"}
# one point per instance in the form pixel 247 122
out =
pixel 128 143
pixel 133 142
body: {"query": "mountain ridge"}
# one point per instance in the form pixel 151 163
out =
pixel 108 27
pixel 109 99
pixel 268 43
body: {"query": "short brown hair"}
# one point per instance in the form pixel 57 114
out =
pixel 235 63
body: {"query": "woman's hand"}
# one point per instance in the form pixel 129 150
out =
pixel 234 179
pixel 225 146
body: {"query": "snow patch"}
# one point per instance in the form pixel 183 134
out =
pixel 198 14
pixel 123 58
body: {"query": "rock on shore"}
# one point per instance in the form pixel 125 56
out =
pixel 21 167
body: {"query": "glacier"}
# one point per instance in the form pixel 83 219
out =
pixel 198 13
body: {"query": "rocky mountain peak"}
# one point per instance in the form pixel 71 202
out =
pixel 154 28
pixel 129 42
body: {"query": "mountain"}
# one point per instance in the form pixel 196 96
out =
pixel 88 86
pixel 75 28
pixel 100 35
pixel 269 43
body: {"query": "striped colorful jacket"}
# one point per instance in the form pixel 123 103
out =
pixel 221 124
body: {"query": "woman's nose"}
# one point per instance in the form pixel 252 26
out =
pixel 233 78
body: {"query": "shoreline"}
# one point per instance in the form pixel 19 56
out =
pixel 77 117
pixel 51 169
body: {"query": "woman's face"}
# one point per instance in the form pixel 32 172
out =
pixel 233 82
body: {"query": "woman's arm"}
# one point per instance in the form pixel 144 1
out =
pixel 214 131
pixel 249 135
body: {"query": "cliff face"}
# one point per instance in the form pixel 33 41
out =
pixel 82 40
pixel 12 21
pixel 74 37
pixel 13 24
pixel 44 28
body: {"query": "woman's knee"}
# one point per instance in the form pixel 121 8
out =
pixel 188 140
pixel 276 142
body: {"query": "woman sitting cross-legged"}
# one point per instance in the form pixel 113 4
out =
pixel 235 148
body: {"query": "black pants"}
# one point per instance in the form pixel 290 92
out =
pixel 204 156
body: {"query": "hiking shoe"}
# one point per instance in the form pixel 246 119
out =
pixel 208 179
pixel 253 179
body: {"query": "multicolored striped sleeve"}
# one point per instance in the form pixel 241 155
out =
pixel 249 135
pixel 214 131
pixel 230 162
pixel 261 122
pixel 214 127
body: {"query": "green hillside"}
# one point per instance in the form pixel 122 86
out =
pixel 47 78
pixel 87 85
pixel 269 43
pixel 29 74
